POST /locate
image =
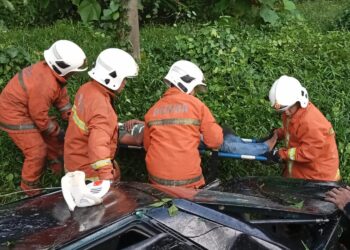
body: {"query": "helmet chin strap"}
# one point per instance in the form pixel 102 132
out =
pixel 77 194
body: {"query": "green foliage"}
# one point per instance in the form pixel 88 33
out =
pixel 171 11
pixel 89 10
pixel 343 22
pixel 11 61
pixel 323 14
pixel 111 16
pixel 240 63
pixel 7 4
pixel 36 12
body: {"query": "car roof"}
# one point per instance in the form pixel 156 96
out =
pixel 45 220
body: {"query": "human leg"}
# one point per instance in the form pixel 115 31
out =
pixel 34 149
pixel 54 154
pixel 234 144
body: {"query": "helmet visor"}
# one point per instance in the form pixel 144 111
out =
pixel 201 88
pixel 84 66
pixel 280 108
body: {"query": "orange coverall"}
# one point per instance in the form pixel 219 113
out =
pixel 24 107
pixel 310 148
pixel 171 138
pixel 92 133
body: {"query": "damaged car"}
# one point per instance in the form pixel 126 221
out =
pixel 243 213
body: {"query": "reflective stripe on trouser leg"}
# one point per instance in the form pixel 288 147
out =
pixel 34 149
pixel 167 182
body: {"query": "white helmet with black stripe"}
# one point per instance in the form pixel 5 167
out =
pixel 186 76
pixel 64 57
pixel 112 67
pixel 285 92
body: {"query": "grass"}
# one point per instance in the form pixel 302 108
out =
pixel 321 14
pixel 159 52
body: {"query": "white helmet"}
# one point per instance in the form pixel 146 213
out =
pixel 65 56
pixel 112 66
pixel 285 92
pixel 185 76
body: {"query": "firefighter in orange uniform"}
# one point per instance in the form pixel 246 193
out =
pixel 24 107
pixel 173 128
pixel 310 150
pixel 91 137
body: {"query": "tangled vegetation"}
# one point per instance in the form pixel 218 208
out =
pixel 240 62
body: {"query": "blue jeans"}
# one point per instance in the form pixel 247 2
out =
pixel 234 144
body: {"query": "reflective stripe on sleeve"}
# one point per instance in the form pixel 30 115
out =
pixel 21 81
pixel 66 107
pixel 337 175
pixel 291 153
pixel 50 128
pixel 18 127
pixel 101 163
pixel 176 121
pixel 81 124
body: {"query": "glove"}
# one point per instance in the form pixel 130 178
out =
pixel 61 134
pixel 227 130
pixel 273 156
pixel 65 115
pixel 111 173
pixel 106 173
pixel 267 137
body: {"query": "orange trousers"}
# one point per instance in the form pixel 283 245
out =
pixel 36 149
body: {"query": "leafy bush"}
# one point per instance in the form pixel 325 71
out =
pixel 36 12
pixel 11 61
pixel 343 22
pixel 240 63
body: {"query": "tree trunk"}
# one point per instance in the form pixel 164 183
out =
pixel 134 36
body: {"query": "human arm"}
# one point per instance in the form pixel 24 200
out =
pixel 63 104
pixel 101 135
pixel 128 125
pixel 211 131
pixel 39 103
pixel 341 198
pixel 310 143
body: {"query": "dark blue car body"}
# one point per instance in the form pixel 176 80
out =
pixel 245 213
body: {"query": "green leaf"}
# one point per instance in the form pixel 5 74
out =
pixel 269 3
pixel 157 204
pixel 9 177
pixel 76 2
pixel 8 5
pixel 4 59
pixel 305 246
pixel 89 10
pixel 160 203
pixel 12 52
pixel 172 210
pixel 114 6
pixel 116 16
pixel 289 5
pixel 298 205
pixel 269 15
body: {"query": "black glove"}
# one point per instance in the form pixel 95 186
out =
pixel 227 130
pixel 273 156
pixel 61 135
